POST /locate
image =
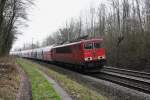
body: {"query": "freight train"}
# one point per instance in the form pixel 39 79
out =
pixel 84 54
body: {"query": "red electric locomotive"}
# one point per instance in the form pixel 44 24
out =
pixel 85 53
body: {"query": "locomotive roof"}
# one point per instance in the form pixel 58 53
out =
pixel 82 41
pixel 67 44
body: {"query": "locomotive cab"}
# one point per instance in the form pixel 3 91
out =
pixel 94 53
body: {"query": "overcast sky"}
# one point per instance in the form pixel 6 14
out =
pixel 49 15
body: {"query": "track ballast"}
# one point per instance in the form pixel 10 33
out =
pixel 139 81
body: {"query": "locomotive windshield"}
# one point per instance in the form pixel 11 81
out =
pixel 88 46
pixel 92 45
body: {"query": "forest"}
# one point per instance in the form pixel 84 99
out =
pixel 123 24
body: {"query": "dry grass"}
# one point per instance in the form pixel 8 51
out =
pixel 7 60
pixel 9 79
pixel 76 90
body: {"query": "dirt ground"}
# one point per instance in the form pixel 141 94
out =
pixel 12 81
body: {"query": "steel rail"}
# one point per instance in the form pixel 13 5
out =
pixel 127 72
pixel 139 81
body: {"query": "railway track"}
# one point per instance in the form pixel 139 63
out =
pixel 128 72
pixel 139 81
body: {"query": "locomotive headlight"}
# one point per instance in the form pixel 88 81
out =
pixel 88 58
pixel 101 57
pixel 104 57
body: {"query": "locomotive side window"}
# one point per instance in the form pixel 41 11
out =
pixel 63 50
pixel 88 46
pixel 97 45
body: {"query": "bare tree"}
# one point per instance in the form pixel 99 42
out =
pixel 101 19
pixel 11 12
pixel 147 10
pixel 92 15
